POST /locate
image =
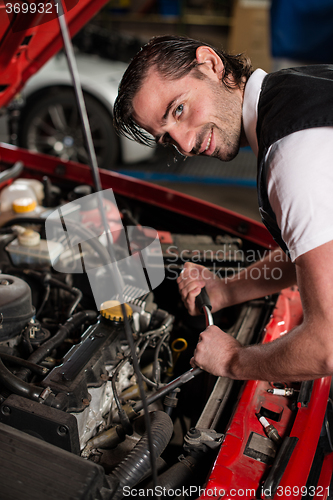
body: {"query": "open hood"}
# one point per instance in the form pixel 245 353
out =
pixel 30 36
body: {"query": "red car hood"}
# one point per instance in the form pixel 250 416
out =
pixel 29 39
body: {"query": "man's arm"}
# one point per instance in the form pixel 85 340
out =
pixel 304 353
pixel 264 277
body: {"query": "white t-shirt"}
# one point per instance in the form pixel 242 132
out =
pixel 300 188
pixel 300 178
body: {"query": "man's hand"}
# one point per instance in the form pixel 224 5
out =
pixel 216 351
pixel 190 282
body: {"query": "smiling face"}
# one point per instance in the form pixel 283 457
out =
pixel 196 115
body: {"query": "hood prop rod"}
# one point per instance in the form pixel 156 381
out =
pixel 97 182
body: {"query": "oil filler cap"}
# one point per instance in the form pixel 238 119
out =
pixel 113 311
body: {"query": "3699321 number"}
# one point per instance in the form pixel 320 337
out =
pixel 31 8
pixel 296 491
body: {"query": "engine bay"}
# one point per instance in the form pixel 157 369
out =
pixel 67 378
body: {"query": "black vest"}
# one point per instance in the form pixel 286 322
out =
pixel 290 100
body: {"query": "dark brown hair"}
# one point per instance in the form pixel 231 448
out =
pixel 174 57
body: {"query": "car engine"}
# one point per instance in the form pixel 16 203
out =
pixel 68 390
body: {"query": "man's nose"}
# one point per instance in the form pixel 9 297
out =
pixel 183 138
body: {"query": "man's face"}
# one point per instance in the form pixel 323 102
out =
pixel 197 116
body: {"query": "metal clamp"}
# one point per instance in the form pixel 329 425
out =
pixel 200 439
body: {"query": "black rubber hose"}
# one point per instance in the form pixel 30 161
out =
pixel 46 296
pixel 12 172
pixel 64 331
pixel 178 475
pixel 137 463
pixel 39 370
pixel 47 280
pixel 18 386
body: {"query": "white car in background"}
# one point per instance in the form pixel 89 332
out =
pixel 49 122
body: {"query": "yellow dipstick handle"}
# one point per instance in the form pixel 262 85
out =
pixel 177 346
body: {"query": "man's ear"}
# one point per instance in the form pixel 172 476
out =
pixel 210 62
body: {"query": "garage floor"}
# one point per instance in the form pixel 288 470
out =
pixel 231 184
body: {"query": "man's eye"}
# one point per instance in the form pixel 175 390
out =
pixel 179 110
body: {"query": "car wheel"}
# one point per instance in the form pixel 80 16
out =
pixel 51 125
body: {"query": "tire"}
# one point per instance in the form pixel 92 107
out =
pixel 50 124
